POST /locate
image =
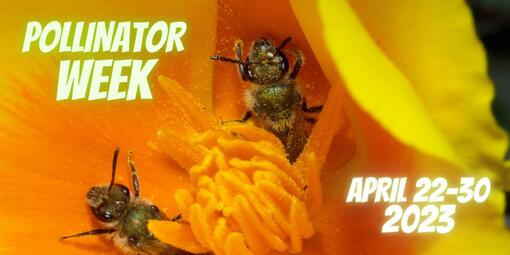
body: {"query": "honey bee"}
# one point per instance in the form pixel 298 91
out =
pixel 125 216
pixel 274 98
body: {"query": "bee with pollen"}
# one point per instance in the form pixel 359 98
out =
pixel 274 99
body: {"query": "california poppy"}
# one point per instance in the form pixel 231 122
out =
pixel 411 98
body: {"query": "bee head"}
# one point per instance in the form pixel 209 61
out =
pixel 108 203
pixel 266 63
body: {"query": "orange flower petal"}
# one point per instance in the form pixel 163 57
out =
pixel 53 152
pixel 188 114
pixel 316 150
pixel 180 235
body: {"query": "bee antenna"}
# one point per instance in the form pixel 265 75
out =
pixel 287 40
pixel 225 59
pixel 114 167
pixel 134 176
pixel 91 232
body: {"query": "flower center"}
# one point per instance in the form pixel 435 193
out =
pixel 248 197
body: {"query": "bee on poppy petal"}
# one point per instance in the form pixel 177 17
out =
pixel 274 98
pixel 125 216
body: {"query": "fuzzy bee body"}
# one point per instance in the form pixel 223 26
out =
pixel 125 216
pixel 274 97
pixel 133 236
pixel 277 108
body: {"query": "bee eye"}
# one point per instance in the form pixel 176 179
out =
pixel 155 208
pixel 123 189
pixel 107 217
pixel 103 213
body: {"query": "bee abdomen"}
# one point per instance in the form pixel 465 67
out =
pixel 278 109
pixel 136 235
pixel 278 102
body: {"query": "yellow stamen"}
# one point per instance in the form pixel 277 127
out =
pixel 248 199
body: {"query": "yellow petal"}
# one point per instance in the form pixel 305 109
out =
pixel 434 45
pixel 370 77
pixel 417 68
pixel 477 231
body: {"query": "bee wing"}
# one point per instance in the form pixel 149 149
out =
pixel 296 137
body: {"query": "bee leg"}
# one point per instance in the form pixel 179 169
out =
pixel 284 42
pixel 177 218
pixel 311 109
pixel 224 59
pixel 100 231
pixel 134 176
pixel 245 118
pixel 240 64
pixel 239 61
pixel 297 64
